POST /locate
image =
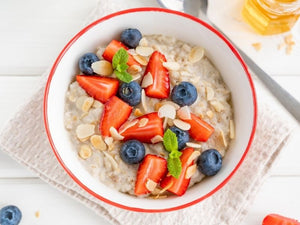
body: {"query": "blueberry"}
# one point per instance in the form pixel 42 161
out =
pixel 209 162
pixel 85 63
pixel 184 94
pixel 132 152
pixel 131 37
pixel 10 215
pixel 182 136
pixel 130 93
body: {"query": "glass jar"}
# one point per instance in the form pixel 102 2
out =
pixel 271 16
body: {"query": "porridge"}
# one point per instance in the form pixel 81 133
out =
pixel 150 115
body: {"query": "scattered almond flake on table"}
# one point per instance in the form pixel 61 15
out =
pixel 257 46
pixel 37 214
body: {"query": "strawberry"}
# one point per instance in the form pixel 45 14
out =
pixel 111 50
pixel 180 185
pixel 145 133
pixel 200 130
pixel 116 112
pixel 100 88
pixel 152 167
pixel 161 80
pixel 274 219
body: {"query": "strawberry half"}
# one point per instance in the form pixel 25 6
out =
pixel 200 130
pixel 152 167
pixel 116 112
pixel 100 88
pixel 145 133
pixel 180 185
pixel 274 219
pixel 161 80
pixel 111 50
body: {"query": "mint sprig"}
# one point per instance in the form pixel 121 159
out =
pixel 173 161
pixel 119 64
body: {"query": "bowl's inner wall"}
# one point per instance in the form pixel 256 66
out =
pixel 152 22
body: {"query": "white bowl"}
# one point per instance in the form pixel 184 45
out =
pixel 151 21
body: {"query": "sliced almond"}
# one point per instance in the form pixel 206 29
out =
pixel 150 185
pixel 147 80
pixel 190 171
pixel 143 100
pixel 222 138
pixel 257 46
pixel 160 197
pixel 170 122
pixel 143 42
pixel 170 103
pixel 192 157
pixel 98 143
pixel 127 125
pixel 196 54
pixel 134 69
pixel 108 140
pixel 167 187
pixel 85 152
pixel 173 66
pixel 156 139
pixel 87 104
pixel 140 59
pixel 131 51
pixel 144 50
pixel 112 161
pixel 99 52
pixel 209 93
pixel 156 191
pixel 168 111
pixel 165 123
pixel 231 129
pixel 181 124
pixel 210 114
pixel 137 112
pixel 97 104
pixel 136 77
pixel 143 122
pixel 85 130
pixel 102 67
pixel 193 145
pixel 115 134
pixel 184 113
pixel 157 106
pixel 218 106
pixel 79 101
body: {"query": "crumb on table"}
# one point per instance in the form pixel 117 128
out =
pixel 257 46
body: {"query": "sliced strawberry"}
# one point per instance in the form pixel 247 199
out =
pixel 152 167
pixel 200 130
pixel 180 185
pixel 116 112
pixel 161 80
pixel 145 133
pixel 100 88
pixel 111 50
pixel 274 219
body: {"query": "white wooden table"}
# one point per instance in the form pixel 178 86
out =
pixel 32 33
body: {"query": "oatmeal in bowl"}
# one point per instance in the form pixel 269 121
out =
pixel 150 116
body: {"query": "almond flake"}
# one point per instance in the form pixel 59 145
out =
pixel 131 51
pixel 209 93
pixel 147 80
pixel 137 112
pixel 85 152
pixel 143 122
pixel 102 67
pixel 222 137
pixel 136 77
pixel 112 160
pixel 127 125
pixel 165 123
pixel 98 143
pixel 218 106
pixel 170 103
pixel 196 54
pixel 140 59
pixel 79 101
pixel 193 145
pixel 167 187
pixel 108 140
pixel 150 185
pixel 84 131
pixel 192 157
pixel 210 114
pixel 143 42
pixel 170 122
pixel 156 191
pixel 174 66
pixel 97 104
pixel 190 171
pixel 156 139
pixel 134 69
pixel 157 106
pixel 181 124
pixel 144 50
pixel 87 104
pixel 184 113
pixel 168 111
pixel 257 46
pixel 115 134
pixel 160 196
pixel 143 100
pixel 231 129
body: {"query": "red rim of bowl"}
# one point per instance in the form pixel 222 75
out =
pixel 235 52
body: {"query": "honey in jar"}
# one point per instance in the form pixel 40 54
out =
pixel 271 16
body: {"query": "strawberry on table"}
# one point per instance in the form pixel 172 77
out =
pixel 116 112
pixel 152 167
pixel 100 88
pixel 161 80
pixel 112 49
pixel 180 185
pixel 153 127
pixel 275 219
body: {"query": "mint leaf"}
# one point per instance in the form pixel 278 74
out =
pixel 123 76
pixel 175 154
pixel 174 166
pixel 122 67
pixel 121 57
pixel 170 141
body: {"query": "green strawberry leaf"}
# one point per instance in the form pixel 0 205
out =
pixel 174 166
pixel 123 76
pixel 121 57
pixel 170 141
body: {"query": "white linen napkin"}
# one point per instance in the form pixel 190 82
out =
pixel 228 206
